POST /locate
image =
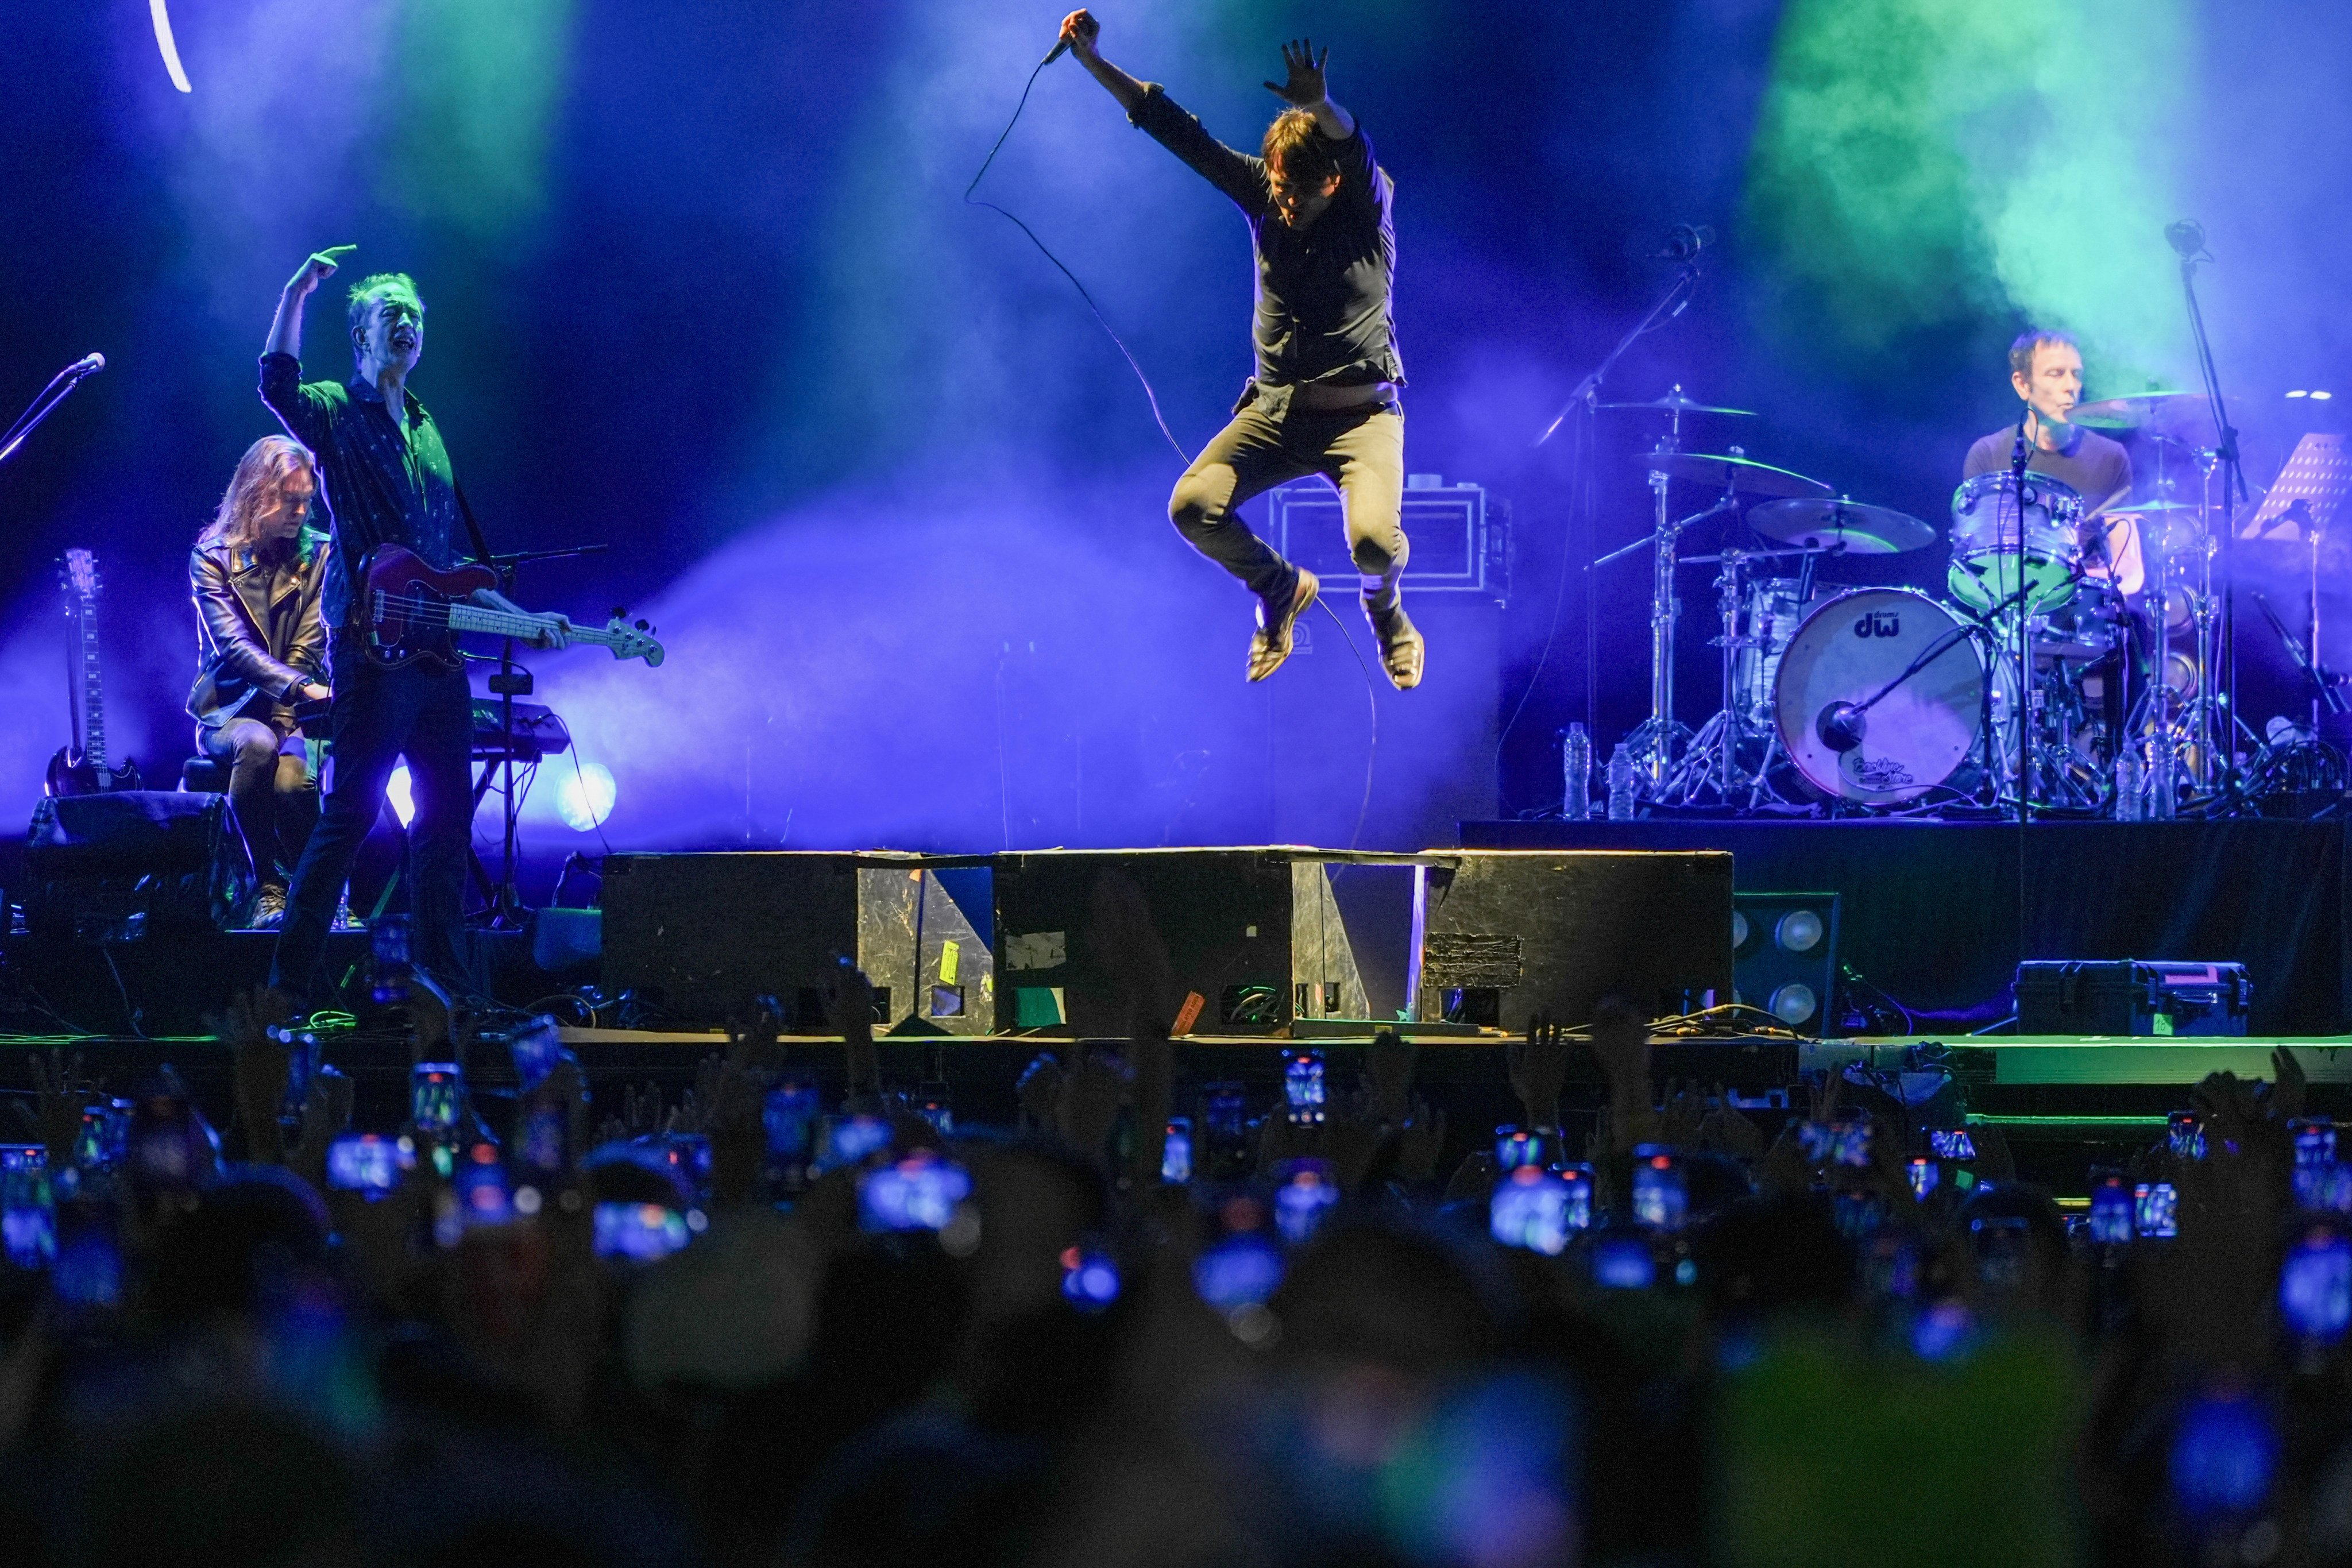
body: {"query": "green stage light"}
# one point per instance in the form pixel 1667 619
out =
pixel 1922 165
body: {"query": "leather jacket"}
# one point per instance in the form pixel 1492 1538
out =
pixel 231 588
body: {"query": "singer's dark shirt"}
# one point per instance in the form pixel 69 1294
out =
pixel 378 486
pixel 1322 292
pixel 2094 468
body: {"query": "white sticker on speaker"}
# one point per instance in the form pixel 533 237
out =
pixel 1037 950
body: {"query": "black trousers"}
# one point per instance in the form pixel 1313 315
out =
pixel 1361 450
pixel 271 792
pixel 381 716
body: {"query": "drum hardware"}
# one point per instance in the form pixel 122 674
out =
pixel 1654 744
pixel 1712 762
pixel 2181 416
pixel 1731 471
pixel 1675 403
pixel 1842 522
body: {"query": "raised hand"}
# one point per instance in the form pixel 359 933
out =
pixel 317 269
pixel 1306 87
pixel 1422 1141
pixel 1079 31
pixel 1538 1067
pixel 1388 1077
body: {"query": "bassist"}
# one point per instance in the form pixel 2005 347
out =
pixel 387 479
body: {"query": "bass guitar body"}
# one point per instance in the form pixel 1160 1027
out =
pixel 405 607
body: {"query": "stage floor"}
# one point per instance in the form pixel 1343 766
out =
pixel 1932 913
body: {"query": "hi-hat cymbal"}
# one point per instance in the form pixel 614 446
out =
pixel 1862 529
pixel 2165 413
pixel 1731 471
pixel 1673 402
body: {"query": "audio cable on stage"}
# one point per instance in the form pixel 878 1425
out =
pixel 1371 693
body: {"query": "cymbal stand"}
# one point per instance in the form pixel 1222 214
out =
pixel 1654 742
pixel 1712 763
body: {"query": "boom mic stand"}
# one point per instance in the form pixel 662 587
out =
pixel 2187 238
pixel 44 402
pixel 1586 397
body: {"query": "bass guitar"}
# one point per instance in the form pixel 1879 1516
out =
pixel 79 767
pixel 409 611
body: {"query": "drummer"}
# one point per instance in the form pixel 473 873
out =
pixel 2046 369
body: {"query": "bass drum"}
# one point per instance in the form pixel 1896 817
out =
pixel 1851 648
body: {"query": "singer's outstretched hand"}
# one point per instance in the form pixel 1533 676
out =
pixel 1305 88
pixel 317 270
pixel 1079 30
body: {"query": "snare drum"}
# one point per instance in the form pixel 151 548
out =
pixel 1984 542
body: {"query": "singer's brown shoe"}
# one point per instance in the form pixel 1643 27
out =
pixel 1270 643
pixel 1404 650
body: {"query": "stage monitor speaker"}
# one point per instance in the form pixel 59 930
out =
pixel 117 864
pixel 1501 934
pixel 1784 957
pixel 1255 932
pixel 700 937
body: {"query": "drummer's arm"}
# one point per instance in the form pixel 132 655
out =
pixel 2120 540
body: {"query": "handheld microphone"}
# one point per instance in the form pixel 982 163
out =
pixel 89 364
pixel 2187 238
pixel 1061 47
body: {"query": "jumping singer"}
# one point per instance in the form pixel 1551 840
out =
pixel 1324 400
pixel 387 479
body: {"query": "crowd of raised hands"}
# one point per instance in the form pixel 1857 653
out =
pixel 800 1314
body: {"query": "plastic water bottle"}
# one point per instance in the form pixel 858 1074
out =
pixel 2128 789
pixel 1621 785
pixel 2159 786
pixel 1576 773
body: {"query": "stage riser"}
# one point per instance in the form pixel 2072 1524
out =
pixel 1930 909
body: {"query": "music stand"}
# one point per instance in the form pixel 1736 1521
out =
pixel 2314 486
pixel 2312 490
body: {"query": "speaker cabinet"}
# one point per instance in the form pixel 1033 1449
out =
pixel 113 866
pixel 700 937
pixel 1253 932
pixel 1501 934
pixel 1784 956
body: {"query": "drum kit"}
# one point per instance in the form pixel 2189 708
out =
pixel 1887 699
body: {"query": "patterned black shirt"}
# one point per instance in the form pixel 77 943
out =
pixel 1322 292
pixel 379 488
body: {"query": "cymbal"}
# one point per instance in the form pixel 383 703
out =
pixel 2152 506
pixel 1862 530
pixel 1673 402
pixel 1732 472
pixel 2166 412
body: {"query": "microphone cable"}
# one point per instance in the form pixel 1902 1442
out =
pixel 1371 692
pixel 1151 396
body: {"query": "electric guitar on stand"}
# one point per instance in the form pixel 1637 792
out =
pixel 79 767
pixel 411 609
